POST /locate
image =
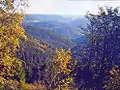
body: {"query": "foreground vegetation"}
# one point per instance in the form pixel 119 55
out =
pixel 27 63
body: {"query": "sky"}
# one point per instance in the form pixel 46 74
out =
pixel 68 7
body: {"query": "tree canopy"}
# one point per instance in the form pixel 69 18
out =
pixel 10 33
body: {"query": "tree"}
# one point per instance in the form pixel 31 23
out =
pixel 11 31
pixel 103 50
pixel 113 82
pixel 59 71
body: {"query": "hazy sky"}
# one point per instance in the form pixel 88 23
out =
pixel 68 7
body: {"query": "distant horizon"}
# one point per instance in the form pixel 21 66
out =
pixel 56 15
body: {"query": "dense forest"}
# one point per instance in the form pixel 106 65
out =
pixel 36 58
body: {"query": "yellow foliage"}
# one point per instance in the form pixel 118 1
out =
pixel 62 60
pixel 62 68
pixel 35 86
pixel 10 32
pixel 67 82
pixel 114 79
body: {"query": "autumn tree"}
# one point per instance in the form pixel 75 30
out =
pixel 113 82
pixel 11 31
pixel 58 72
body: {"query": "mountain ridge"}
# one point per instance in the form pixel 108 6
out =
pixel 65 26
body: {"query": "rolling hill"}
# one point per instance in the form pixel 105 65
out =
pixel 49 36
pixel 65 26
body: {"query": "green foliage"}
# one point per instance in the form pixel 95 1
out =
pixel 2 87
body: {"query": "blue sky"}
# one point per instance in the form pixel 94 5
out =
pixel 67 7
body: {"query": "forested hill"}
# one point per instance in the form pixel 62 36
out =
pixel 67 26
pixel 34 49
pixel 51 52
pixel 35 53
pixel 49 36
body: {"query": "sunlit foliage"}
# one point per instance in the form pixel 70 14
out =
pixel 62 61
pixel 10 32
pixel 114 79
pixel 59 71
pixel 34 86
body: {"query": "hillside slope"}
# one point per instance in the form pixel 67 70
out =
pixel 35 53
pixel 60 25
pixel 49 36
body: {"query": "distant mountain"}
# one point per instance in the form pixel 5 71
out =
pixel 44 17
pixel 81 40
pixel 81 21
pixel 60 25
pixel 48 36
